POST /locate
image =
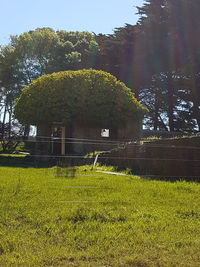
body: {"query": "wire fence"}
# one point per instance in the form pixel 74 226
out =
pixel 45 139
pixel 165 160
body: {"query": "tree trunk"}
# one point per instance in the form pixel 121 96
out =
pixel 156 112
pixel 170 102
pixel 196 111
pixel 137 93
pixel 162 123
pixel 10 121
pixel 3 122
pixel 26 132
pixel 195 99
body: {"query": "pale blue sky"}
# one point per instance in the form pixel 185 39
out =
pixel 99 16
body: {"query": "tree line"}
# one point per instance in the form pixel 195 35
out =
pixel 158 58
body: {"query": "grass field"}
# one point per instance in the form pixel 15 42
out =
pixel 48 218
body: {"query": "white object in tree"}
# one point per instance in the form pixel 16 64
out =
pixel 105 133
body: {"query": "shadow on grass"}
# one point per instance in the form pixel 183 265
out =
pixel 24 162
pixel 31 161
pixel 171 179
pixel 161 177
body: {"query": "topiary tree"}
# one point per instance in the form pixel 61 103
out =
pixel 88 97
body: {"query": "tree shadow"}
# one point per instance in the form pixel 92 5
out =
pixel 24 162
pixel 161 177
pixel 32 161
pixel 171 179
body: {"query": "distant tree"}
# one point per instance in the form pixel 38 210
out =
pixel 167 32
pixel 74 51
pixel 39 52
pixel 119 54
pixel 11 136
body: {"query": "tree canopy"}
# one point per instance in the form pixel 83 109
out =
pixel 158 58
pixel 35 53
pixel 90 97
pixel 169 32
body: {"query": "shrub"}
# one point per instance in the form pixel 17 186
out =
pixel 87 96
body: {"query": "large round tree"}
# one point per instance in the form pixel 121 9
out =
pixel 88 97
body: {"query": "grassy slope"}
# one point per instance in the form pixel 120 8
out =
pixel 119 221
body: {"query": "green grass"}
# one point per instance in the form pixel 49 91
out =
pixel 13 155
pixel 113 221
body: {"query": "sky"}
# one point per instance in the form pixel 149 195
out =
pixel 98 16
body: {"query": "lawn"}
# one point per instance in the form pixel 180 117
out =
pixel 50 217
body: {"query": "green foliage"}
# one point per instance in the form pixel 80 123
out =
pixel 11 146
pixel 169 39
pixel 149 139
pixel 87 96
pixel 43 51
pixel 35 53
pixel 96 219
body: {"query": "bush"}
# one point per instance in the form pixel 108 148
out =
pixel 86 96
